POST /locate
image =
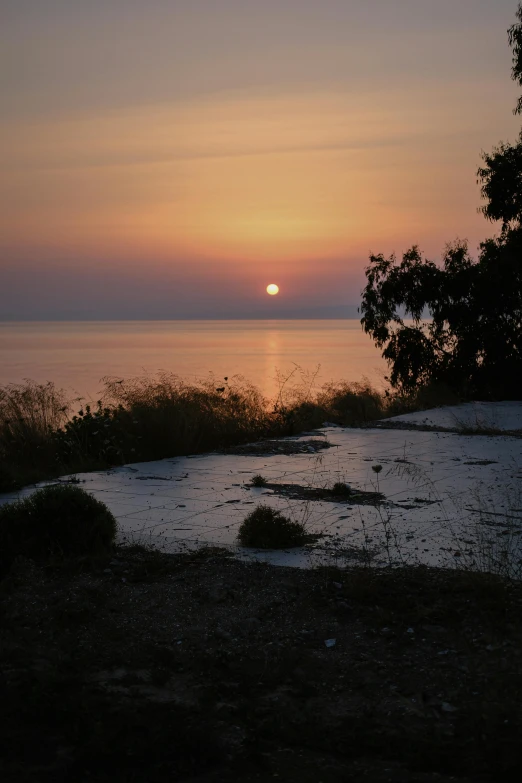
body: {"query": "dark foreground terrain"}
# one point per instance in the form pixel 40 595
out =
pixel 154 668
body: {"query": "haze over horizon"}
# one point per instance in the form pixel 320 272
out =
pixel 170 159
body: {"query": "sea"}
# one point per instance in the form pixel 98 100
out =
pixel 77 355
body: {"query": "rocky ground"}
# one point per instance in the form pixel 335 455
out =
pixel 153 667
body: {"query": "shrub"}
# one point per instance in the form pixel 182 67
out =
pixel 265 528
pixel 58 520
pixel 164 416
pixel 258 481
pixel 352 403
pixel 340 488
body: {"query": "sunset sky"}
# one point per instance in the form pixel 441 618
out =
pixel 170 158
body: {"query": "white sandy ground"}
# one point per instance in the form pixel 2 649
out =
pixel 443 506
pixel 506 416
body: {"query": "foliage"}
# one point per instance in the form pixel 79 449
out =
pixel 168 416
pixel 56 520
pixel 515 41
pixel 29 414
pixel 161 416
pixel 472 340
pixel 340 488
pixel 459 324
pixel 265 528
pixel 501 175
pixel 258 481
pixel 345 403
pixel 501 178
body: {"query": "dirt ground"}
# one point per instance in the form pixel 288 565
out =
pixel 153 667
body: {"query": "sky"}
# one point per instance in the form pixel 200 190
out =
pixel 171 158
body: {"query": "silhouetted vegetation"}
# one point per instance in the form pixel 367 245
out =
pixel 341 489
pixel 258 481
pixel 467 315
pixel 163 416
pixel 30 414
pixel 266 528
pixel 56 521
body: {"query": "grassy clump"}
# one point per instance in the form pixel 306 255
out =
pixel 340 488
pixel 265 528
pixel 57 520
pixel 258 481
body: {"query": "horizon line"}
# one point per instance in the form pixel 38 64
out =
pixel 189 318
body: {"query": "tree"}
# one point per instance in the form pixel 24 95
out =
pixel 459 323
pixel 515 41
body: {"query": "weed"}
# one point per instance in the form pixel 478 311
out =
pixel 340 488
pixel 258 481
pixel 265 528
pixel 59 520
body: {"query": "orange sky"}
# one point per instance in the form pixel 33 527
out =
pixel 165 148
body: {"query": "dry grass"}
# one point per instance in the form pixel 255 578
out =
pixel 162 415
pixel 29 415
pixel 174 417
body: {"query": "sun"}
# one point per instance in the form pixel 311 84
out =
pixel 272 289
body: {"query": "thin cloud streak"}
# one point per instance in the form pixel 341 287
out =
pixel 240 140
pixel 155 160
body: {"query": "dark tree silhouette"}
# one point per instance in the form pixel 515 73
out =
pixel 515 41
pixel 459 323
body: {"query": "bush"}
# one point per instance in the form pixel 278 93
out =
pixel 258 481
pixel 60 520
pixel 163 416
pixel 340 488
pixel 265 528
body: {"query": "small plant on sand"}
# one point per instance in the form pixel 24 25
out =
pixel 265 528
pixel 258 481
pixel 59 520
pixel 340 488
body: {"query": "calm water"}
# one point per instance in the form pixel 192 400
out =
pixel 76 355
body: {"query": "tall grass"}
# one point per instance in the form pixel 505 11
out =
pixel 162 415
pixel 170 417
pixel 30 414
